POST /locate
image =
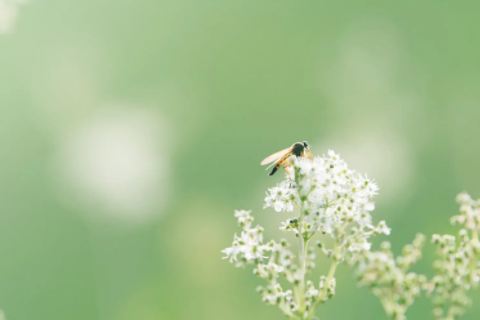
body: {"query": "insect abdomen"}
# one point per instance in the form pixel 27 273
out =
pixel 273 171
pixel 280 163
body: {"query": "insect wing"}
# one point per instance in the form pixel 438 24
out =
pixel 275 156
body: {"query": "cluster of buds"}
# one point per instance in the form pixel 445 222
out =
pixel 389 278
pixel 457 270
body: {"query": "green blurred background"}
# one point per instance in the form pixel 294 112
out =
pixel 131 130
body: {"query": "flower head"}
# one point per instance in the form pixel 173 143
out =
pixel 331 197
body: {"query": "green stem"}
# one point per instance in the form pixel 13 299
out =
pixel 386 300
pixel 301 260
pixel 303 243
pixel 299 207
pixel 283 306
pixel 330 276
pixel 473 263
pixel 450 314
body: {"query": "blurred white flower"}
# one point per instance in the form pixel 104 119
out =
pixel 382 228
pixel 8 14
pixel 458 269
pixel 371 108
pixel 117 163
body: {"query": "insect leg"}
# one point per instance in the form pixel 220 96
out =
pixel 286 169
pixel 309 154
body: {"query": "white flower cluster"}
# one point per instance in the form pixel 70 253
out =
pixel 332 200
pixel 335 201
pixel 388 278
pixel 458 269
pixel 331 197
pixel 249 246
pixel 8 14
pixel 469 212
pixel 271 260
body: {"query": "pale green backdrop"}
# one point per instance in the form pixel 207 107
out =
pixel 131 130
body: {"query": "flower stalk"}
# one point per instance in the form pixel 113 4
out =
pixel 333 201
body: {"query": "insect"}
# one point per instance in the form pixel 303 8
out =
pixel 281 158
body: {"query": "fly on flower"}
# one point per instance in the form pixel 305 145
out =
pixel 281 158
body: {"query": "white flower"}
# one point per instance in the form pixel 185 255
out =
pixel 244 217
pixel 289 225
pixel 249 246
pixel 281 197
pixel 331 197
pixel 382 228
pixel 326 183
pixel 362 245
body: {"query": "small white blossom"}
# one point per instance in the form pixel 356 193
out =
pixel 360 246
pixel 382 228
pixel 289 225
pixel 249 245
pixel 469 212
pixel 244 218
pixel 281 198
